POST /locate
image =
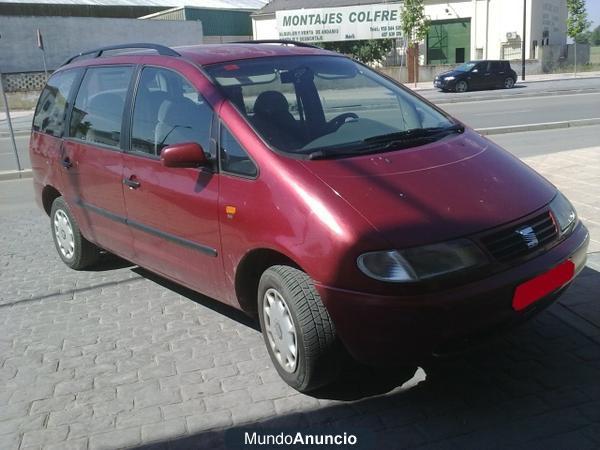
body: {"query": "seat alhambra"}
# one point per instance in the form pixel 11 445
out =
pixel 348 214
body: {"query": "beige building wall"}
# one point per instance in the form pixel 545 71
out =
pixel 495 24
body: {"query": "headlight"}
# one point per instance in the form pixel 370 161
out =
pixel 420 263
pixel 563 212
pixel 449 78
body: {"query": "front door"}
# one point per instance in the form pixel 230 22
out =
pixel 92 158
pixel 489 77
pixel 477 76
pixel 172 212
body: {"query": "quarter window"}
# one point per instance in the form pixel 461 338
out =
pixel 51 111
pixel 168 110
pixel 234 159
pixel 98 110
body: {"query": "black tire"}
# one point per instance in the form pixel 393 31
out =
pixel 509 83
pixel 83 253
pixel 319 353
pixel 461 86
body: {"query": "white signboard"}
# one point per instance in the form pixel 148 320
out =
pixel 346 23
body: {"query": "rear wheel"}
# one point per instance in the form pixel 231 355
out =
pixel 75 250
pixel 298 332
pixel 462 86
pixel 509 83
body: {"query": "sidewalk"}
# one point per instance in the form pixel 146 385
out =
pixel 428 85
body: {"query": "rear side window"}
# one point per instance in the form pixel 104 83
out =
pixel 496 66
pixel 51 111
pixel 168 110
pixel 98 110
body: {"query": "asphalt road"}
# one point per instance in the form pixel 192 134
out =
pixel 7 155
pixel 522 89
pixel 20 122
pixel 521 111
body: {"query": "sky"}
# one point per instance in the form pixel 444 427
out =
pixel 593 9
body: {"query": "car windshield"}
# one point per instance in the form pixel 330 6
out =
pixel 466 66
pixel 307 104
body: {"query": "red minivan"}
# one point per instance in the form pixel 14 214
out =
pixel 296 184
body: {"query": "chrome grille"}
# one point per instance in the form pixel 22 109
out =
pixel 507 244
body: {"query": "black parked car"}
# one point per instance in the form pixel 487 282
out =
pixel 477 75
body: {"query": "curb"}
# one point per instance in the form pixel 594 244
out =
pixel 15 174
pixel 537 127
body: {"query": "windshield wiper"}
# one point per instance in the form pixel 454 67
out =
pixel 395 141
pixel 415 133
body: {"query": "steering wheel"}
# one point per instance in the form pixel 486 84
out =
pixel 340 120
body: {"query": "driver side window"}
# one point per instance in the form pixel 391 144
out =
pixel 234 159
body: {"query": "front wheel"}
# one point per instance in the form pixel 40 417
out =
pixel 298 332
pixel 462 86
pixel 75 250
pixel 509 83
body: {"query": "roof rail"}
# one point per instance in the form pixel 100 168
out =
pixel 277 41
pixel 160 49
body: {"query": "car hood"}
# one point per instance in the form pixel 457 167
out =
pixel 455 187
pixel 450 73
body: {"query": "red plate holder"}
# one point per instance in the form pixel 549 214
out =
pixel 542 285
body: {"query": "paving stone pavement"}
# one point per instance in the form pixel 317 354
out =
pixel 118 357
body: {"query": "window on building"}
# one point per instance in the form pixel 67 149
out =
pixel 51 110
pixel 168 110
pixel 98 110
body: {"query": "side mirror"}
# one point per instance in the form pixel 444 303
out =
pixel 186 154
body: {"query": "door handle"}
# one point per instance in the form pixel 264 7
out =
pixel 131 182
pixel 66 163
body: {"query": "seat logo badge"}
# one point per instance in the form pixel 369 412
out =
pixel 529 236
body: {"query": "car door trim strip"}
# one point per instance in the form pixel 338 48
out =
pixel 147 229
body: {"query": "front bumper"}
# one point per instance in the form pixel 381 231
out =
pixel 378 329
pixel 441 83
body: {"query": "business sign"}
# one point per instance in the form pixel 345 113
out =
pixel 348 23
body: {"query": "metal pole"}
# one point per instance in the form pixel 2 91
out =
pixel 10 128
pixel 45 66
pixel 524 40
pixel 575 56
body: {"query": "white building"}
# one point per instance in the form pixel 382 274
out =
pixel 460 29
